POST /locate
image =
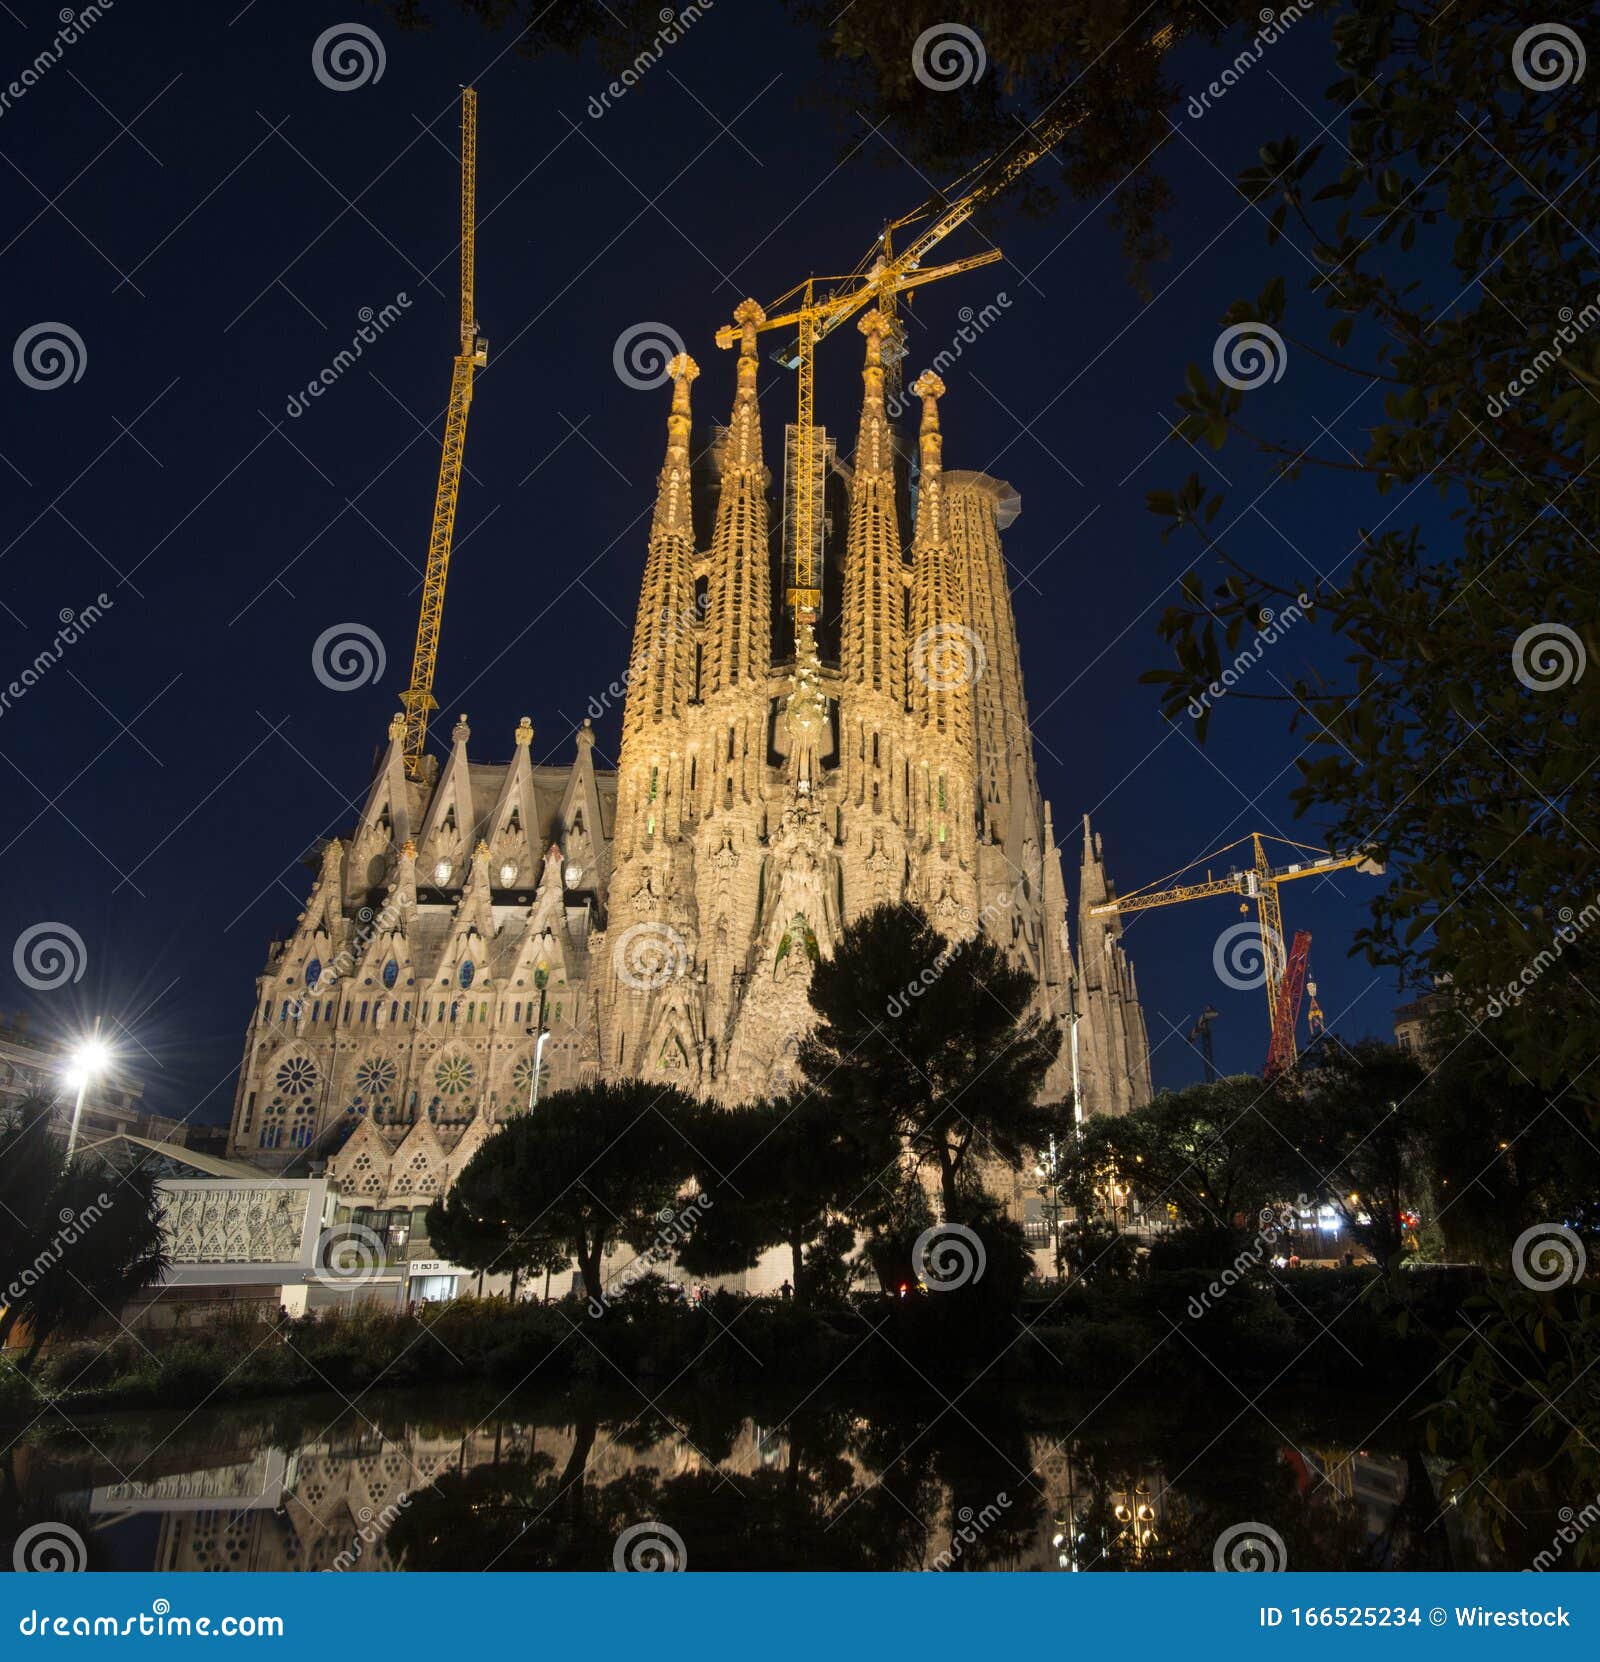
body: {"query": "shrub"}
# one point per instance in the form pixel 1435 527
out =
pixel 185 1374
pixel 87 1364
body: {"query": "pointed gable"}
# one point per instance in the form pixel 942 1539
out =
pixel 325 905
pixel 419 1165
pixel 465 962
pixel 451 820
pixel 543 946
pixel 360 1169
pixel 388 812
pixel 581 821
pixel 468 1144
pixel 512 830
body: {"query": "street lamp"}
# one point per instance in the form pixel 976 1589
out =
pixel 89 1060
pixel 540 980
pixel 1050 1191
pixel 538 1064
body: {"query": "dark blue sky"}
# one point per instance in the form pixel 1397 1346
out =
pixel 183 192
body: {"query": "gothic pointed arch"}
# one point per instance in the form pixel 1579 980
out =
pixel 672 1053
pixel 373 1083
pixel 389 814
pixel 294 1081
pixel 451 1086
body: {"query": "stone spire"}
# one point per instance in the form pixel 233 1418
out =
pixel 978 508
pixel 1093 885
pixel 946 657
pixel 739 637
pixel 661 665
pixel 874 572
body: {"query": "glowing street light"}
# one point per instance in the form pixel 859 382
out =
pixel 540 980
pixel 89 1060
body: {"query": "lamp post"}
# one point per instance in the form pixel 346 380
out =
pixel 1077 1083
pixel 538 1065
pixel 88 1060
pixel 1050 1192
pixel 538 1055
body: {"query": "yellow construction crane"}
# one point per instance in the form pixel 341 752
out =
pixel 877 279
pixel 418 698
pixel 1256 882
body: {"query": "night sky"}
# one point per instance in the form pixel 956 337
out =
pixel 185 194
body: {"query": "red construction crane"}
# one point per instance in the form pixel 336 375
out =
pixel 1286 1017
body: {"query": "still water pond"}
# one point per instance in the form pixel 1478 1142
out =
pixel 461 1482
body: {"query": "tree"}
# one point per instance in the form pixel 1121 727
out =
pixel 75 1244
pixel 900 1215
pixel 591 1166
pixel 1355 1130
pixel 1448 241
pixel 1499 1156
pixel 780 1174
pixel 1211 1152
pixel 932 1042
pixel 463 1238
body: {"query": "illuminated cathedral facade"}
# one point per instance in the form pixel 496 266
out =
pixel 505 929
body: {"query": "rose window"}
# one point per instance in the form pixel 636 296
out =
pixel 375 1076
pixel 297 1076
pixel 454 1075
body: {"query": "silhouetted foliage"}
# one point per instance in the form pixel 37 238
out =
pixel 75 1242
pixel 784 1173
pixel 932 1042
pixel 587 1168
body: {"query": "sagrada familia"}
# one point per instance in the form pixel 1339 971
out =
pixel 502 930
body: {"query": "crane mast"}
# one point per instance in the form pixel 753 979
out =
pixel 1281 1052
pixel 418 699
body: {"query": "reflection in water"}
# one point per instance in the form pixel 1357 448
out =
pixel 430 1485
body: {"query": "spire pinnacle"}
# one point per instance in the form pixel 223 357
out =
pixel 874 633
pixel 749 315
pixel 930 509
pixel 660 665
pixel 683 369
pixel 874 325
pixel 930 389
pixel 524 733
pixel 739 625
